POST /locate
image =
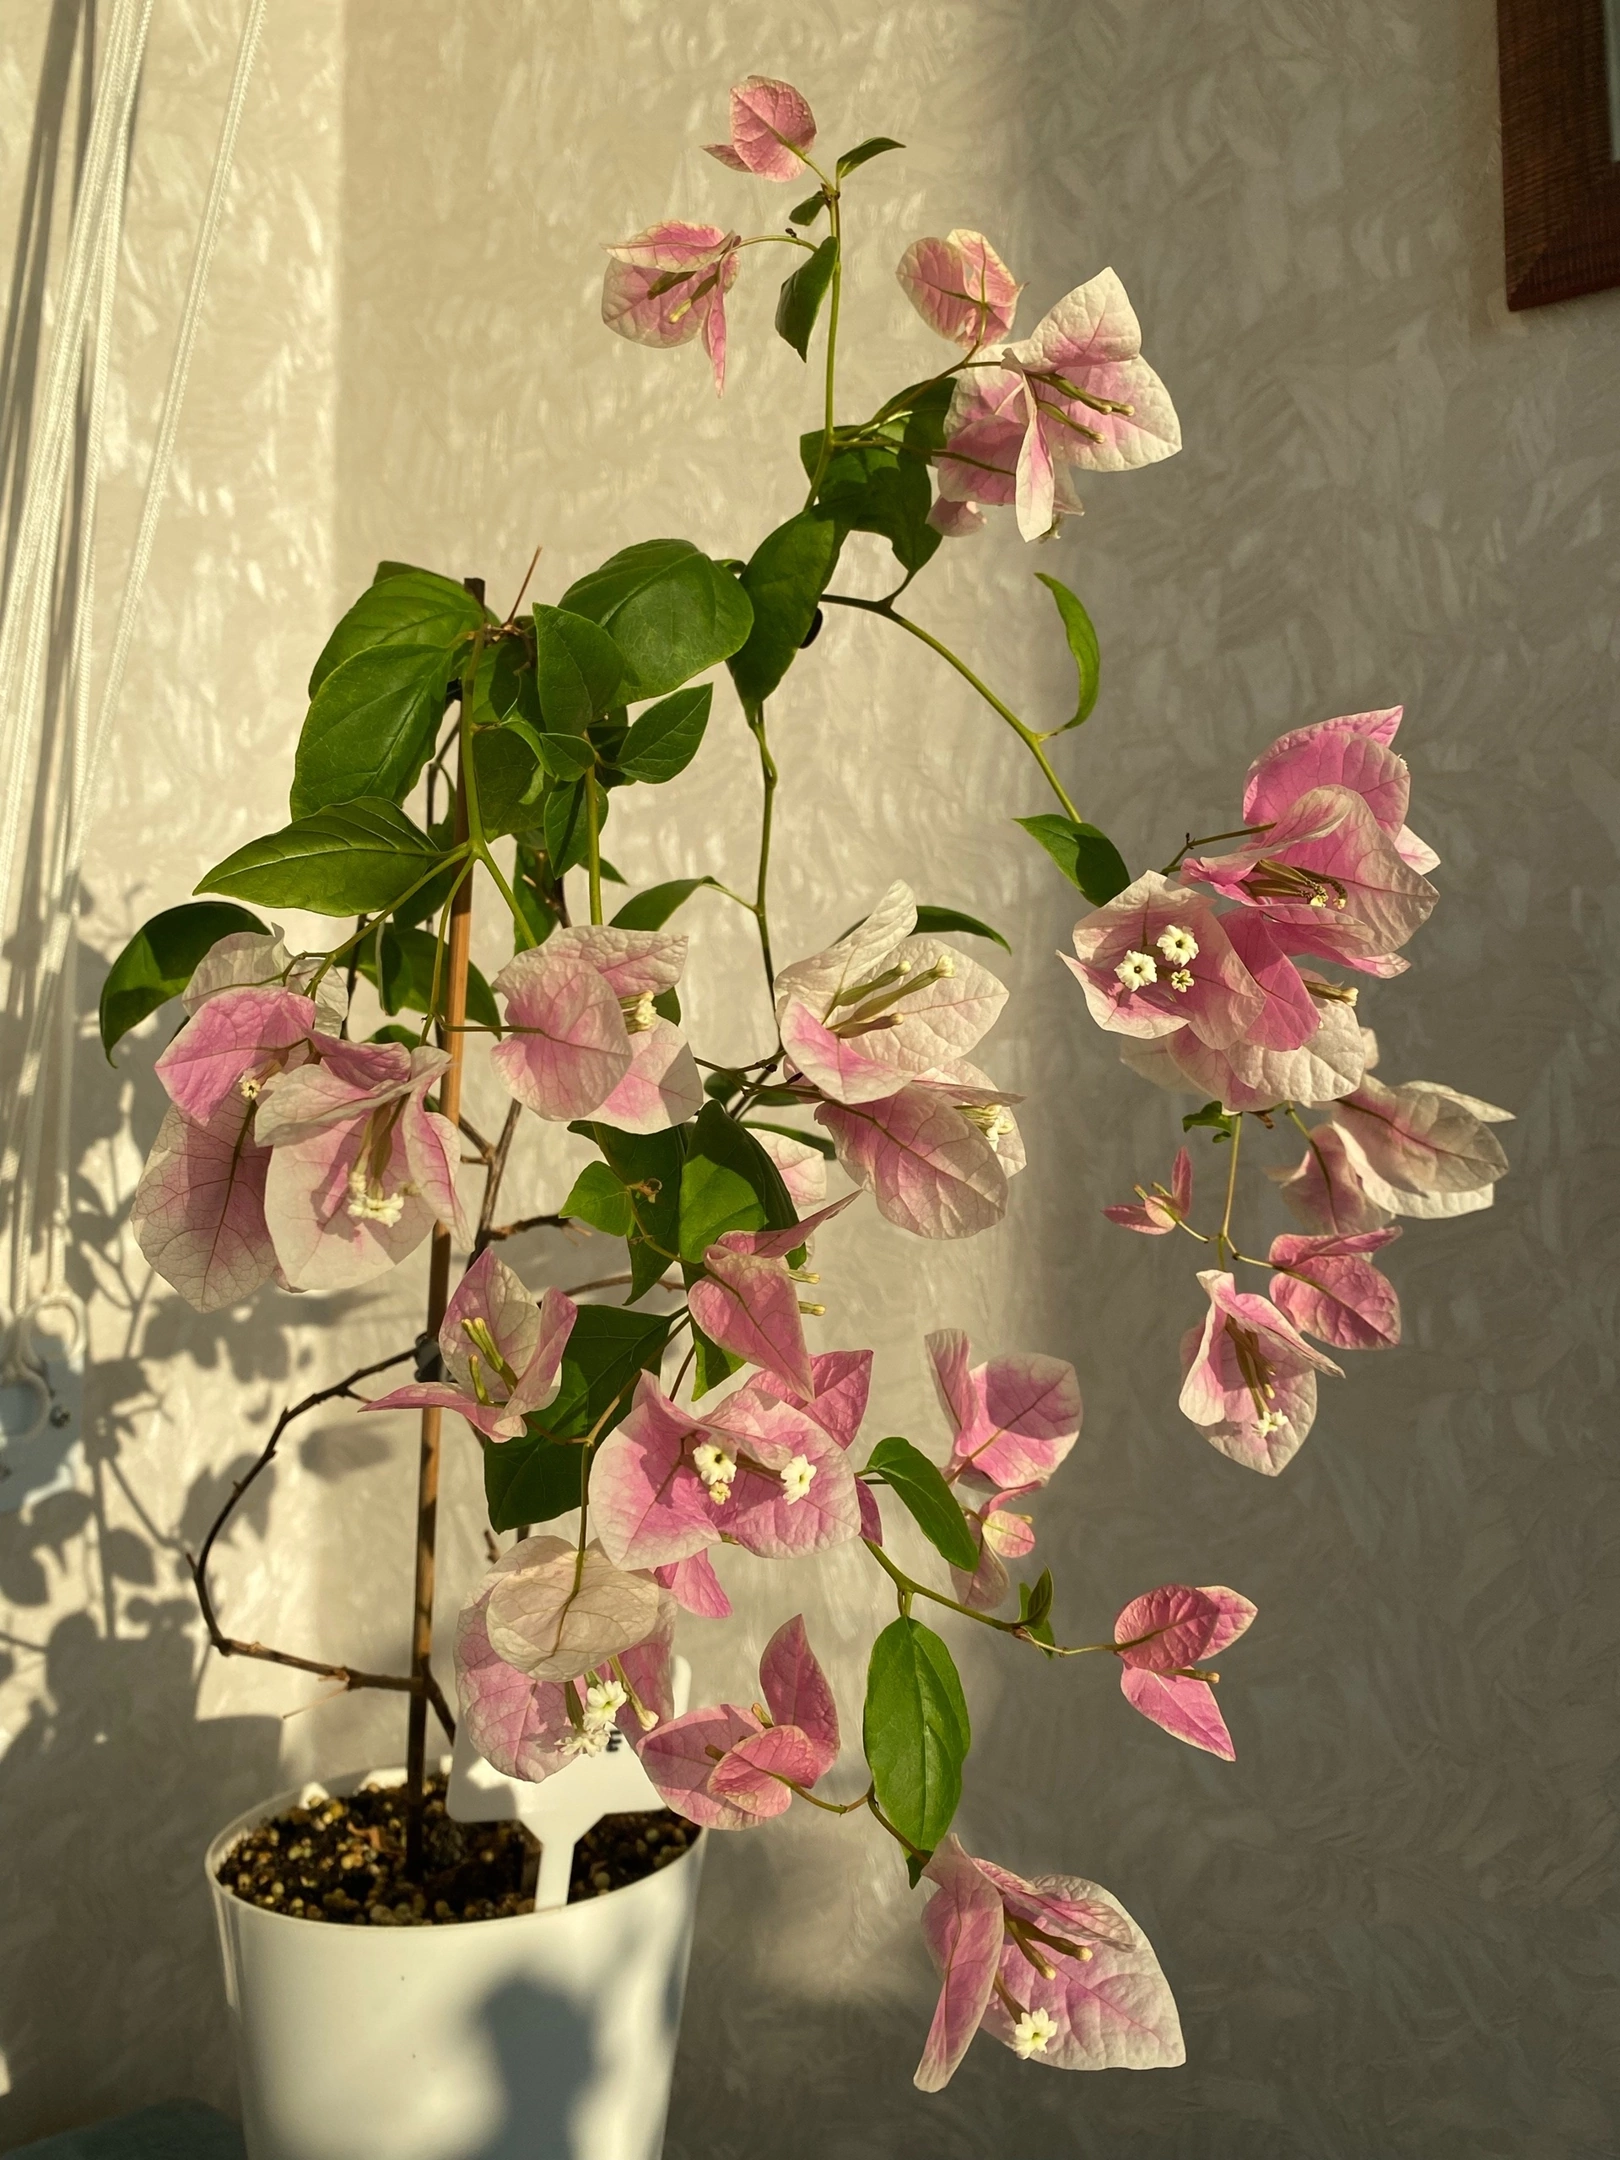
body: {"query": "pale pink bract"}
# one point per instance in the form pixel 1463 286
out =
pixel 1249 1380
pixel 771 125
pixel 503 1352
pixel 668 285
pixel 960 287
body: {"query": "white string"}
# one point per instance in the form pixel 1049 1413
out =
pixel 75 791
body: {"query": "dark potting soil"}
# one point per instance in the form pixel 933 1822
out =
pixel 342 1860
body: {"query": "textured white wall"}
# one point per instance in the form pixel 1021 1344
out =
pixel 1382 1922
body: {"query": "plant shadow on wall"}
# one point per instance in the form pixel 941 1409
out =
pixel 107 1761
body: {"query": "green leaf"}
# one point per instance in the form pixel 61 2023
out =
pixel 403 606
pixel 669 609
pixel 1082 643
pixel 933 1506
pixel 915 1731
pixel 1224 1122
pixel 563 757
pixel 649 1166
pixel 728 1182
pixel 160 959
pixel 563 822
pixel 803 291
pixel 371 727
pixel 874 146
pixel 607 1348
pixel 1087 857
pixel 1033 1607
pixel 872 487
pixel 533 1478
pixel 577 667
pixel 667 1005
pixel 786 576
pixel 809 210
pixel 509 779
pixel 650 910
pixel 935 921
pixel 404 980
pixel 356 858
pixel 818 1141
pixel 664 740
pixel 599 1199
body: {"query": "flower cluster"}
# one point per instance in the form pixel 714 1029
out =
pixel 1228 1001
pixel 286 1150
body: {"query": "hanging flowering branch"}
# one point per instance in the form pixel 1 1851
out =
pixel 701 1414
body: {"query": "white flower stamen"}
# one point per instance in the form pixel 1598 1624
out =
pixel 249 1087
pixel 368 1203
pixel 1136 971
pixel 1177 944
pixel 716 1468
pixel 994 1120
pixel 1182 979
pixel 604 1699
pixel 945 966
pixel 1033 2033
pixel 639 1015
pixel 796 1478
pixel 1270 1421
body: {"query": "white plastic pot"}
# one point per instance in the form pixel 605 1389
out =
pixel 548 2036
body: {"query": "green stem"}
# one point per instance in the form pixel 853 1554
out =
pixel 1223 1242
pixel 909 1589
pixel 824 455
pixel 440 863
pixel 593 843
pixel 768 776
pixel 1026 735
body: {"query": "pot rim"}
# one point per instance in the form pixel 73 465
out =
pixel 351 1781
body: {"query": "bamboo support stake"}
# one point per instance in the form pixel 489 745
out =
pixel 457 954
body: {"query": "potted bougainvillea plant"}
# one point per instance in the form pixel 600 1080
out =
pixel 450 752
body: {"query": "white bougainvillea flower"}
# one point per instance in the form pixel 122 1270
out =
pixel 1324 1190
pixel 755 1469
pixel 1249 1377
pixel 582 1038
pixel 260 960
pixel 883 1007
pixel 1421 1149
pixel 1328 879
pixel 1157 1212
pixel 238 1039
pixel 1353 752
pixel 360 1168
pixel 1075 393
pixel 1158 958
pixel 1013 1418
pixel 198 1213
pixel 730 1768
pixel 559 1614
pixel 771 127
pixel 960 287
pixel 801 1167
pixel 747 1299
pixel 502 1351
pixel 522 1725
pixel 668 285
pixel 1330 1289
pixel 1246 1076
pixel 1163 1637
pixel 1001 1535
pixel 936 1167
pixel 1054 1969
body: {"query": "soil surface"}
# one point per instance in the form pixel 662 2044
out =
pixel 342 1861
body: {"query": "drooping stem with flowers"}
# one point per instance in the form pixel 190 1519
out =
pixel 634 1443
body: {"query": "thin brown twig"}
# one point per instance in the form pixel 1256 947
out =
pixel 232 1645
pixel 493 1235
pixel 496 1169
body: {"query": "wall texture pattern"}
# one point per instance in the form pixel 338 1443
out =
pixel 1390 1924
